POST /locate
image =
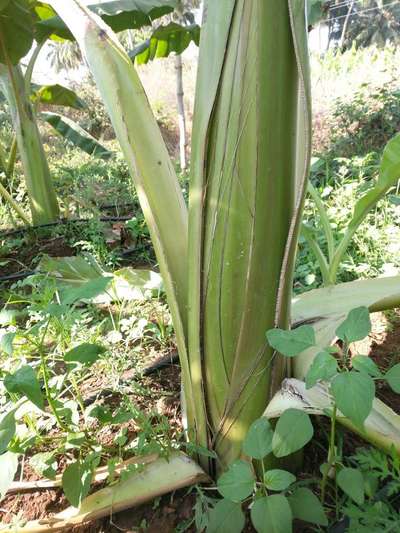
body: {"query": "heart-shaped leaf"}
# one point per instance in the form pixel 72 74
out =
pixel 293 342
pixel 25 382
pixel 237 483
pixel 272 514
pixel 354 393
pixel 258 441
pixel 306 506
pixel 356 327
pixel 292 432
pixel 278 479
pixel 226 517
pixel 351 481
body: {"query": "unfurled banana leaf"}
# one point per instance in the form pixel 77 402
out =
pixel 164 40
pixel 118 14
pixel 72 132
pixel 57 95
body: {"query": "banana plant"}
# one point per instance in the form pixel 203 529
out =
pixel 227 261
pixel 388 177
pixel 23 23
pixel 16 21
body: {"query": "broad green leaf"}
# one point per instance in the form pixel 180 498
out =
pixel 118 14
pixel 354 393
pixel 394 199
pixel 44 464
pixel 127 283
pixel 292 432
pixel 87 291
pixel 72 132
pixel 237 482
pixel 258 441
pixel 75 440
pixel 306 506
pixel 73 271
pixel 392 376
pixel 351 481
pixel 278 479
pixel 365 364
pixel 56 310
pixel 6 342
pixel 8 469
pixel 101 413
pixel 4 4
pixel 85 353
pixel 272 514
pixel 76 482
pixel 293 342
pixel 323 368
pixel 58 95
pixel 16 27
pixel 226 517
pixel 136 284
pixel 164 40
pixel 315 11
pixel 25 382
pixel 356 327
pixel 7 430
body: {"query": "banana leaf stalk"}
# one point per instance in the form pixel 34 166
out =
pixel 381 428
pixel 327 307
pixel 147 158
pixel 42 198
pixel 156 478
pixel 99 474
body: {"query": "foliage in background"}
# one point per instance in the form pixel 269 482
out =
pixel 357 23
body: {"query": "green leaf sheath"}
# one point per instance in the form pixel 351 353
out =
pixel 246 191
pixel 147 157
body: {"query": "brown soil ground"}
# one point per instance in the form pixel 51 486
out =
pixel 167 514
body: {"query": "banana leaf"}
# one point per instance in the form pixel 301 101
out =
pixel 72 132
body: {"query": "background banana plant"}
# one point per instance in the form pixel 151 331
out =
pixel 227 265
pixel 25 23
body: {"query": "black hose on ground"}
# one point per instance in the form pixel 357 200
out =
pixel 61 222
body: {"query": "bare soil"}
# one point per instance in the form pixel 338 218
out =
pixel 172 511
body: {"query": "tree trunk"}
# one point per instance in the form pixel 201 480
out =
pixel 346 23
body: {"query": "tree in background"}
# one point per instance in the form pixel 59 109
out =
pixel 358 23
pixel 176 31
pixel 184 15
